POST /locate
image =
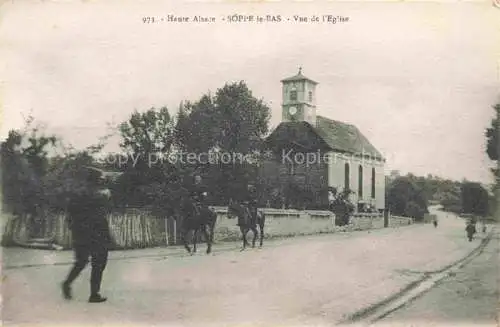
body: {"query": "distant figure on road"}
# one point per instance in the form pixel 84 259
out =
pixel 471 230
pixel 483 226
pixel 87 211
pixel 435 221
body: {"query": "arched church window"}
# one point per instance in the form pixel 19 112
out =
pixel 310 96
pixel 360 181
pixel 293 95
pixel 346 176
pixel 373 183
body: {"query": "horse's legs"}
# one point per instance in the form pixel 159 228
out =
pixel 184 239
pixel 213 222
pixel 212 232
pixel 208 239
pixel 244 232
pixel 212 228
pixel 195 234
pixel 255 233
pixel 261 225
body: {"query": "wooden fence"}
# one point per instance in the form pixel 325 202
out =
pixel 139 228
pixel 133 228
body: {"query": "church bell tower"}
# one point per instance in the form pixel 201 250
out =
pixel 299 99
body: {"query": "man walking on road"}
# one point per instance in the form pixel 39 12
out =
pixel 87 210
pixel 471 230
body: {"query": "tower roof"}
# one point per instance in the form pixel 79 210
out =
pixel 298 77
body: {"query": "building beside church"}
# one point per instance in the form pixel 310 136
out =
pixel 312 153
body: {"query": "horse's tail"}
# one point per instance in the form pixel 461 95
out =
pixel 196 209
pixel 261 217
pixel 209 219
pixel 212 217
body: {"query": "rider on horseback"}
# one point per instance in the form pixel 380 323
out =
pixel 197 216
pixel 251 201
pixel 199 194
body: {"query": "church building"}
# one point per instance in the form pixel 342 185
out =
pixel 312 152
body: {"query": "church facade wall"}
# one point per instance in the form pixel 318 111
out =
pixel 329 171
pixel 337 177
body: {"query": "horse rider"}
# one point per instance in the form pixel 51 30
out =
pixel 199 193
pixel 251 200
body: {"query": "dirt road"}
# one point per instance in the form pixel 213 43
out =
pixel 468 298
pixel 302 281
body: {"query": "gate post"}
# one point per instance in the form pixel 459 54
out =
pixel 175 231
pixel 167 235
pixel 386 218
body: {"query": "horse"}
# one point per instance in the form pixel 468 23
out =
pixel 247 221
pixel 197 217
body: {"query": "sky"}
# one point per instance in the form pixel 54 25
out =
pixel 419 79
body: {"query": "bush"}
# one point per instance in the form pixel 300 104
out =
pixel 452 203
pixel 475 199
pixel 413 210
pixel 405 198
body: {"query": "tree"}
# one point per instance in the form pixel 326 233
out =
pixel 492 136
pixel 148 142
pixel 492 149
pixel 147 134
pixel 18 177
pixel 36 150
pixel 232 122
pixel 25 161
pixel 195 128
pixel 405 198
pixel 183 138
pixel 451 201
pixel 61 181
pixel 475 199
pixel 244 118
pixel 24 164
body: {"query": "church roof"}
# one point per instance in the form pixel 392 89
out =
pixel 299 134
pixel 345 137
pixel 332 134
pixel 298 77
